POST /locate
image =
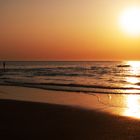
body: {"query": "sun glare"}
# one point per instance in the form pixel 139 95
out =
pixel 134 64
pixel 133 106
pixel 130 21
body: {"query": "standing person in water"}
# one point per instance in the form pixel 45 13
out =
pixel 4 66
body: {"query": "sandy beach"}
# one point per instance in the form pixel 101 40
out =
pixel 37 114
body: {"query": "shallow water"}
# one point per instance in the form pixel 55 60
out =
pixel 108 77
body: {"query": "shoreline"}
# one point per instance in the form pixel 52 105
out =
pixel 109 103
pixel 50 96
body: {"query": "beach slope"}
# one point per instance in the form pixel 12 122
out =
pixel 28 113
pixel 26 120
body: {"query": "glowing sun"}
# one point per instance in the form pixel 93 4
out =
pixel 130 21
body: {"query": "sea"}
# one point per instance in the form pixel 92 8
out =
pixel 103 77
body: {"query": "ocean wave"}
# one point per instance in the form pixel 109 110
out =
pixel 76 87
pixel 100 77
pixel 60 71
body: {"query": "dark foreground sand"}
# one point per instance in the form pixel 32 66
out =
pixel 26 120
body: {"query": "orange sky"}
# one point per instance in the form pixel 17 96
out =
pixel 65 30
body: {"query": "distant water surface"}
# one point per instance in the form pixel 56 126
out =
pixel 108 77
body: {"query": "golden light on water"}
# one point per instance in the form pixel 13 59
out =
pixel 128 104
pixel 134 71
pixel 134 68
pixel 132 102
pixel 132 106
pixel 134 64
pixel 132 80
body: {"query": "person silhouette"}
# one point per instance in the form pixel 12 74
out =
pixel 4 66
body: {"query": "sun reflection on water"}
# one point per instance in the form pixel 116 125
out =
pixel 133 74
pixel 132 106
pixel 134 67
pixel 134 63
pixel 129 104
pixel 132 102
pixel 132 80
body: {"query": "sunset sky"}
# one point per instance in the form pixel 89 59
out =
pixel 66 30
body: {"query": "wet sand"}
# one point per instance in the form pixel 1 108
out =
pixel 34 120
